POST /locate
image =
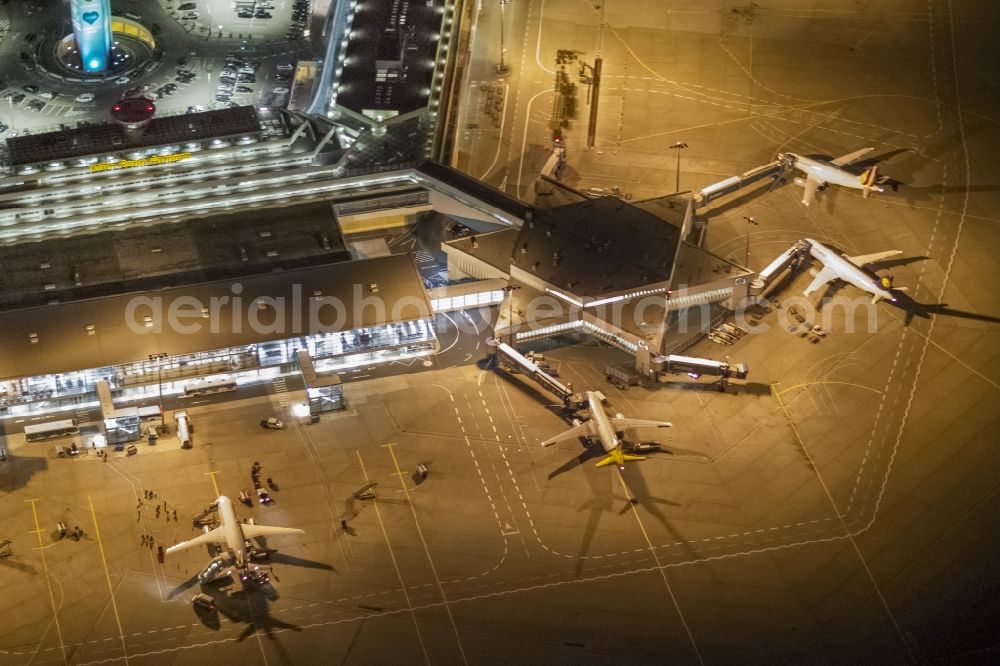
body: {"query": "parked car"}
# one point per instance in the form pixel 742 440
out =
pixel 279 90
pixel 187 6
pixel 85 97
pixel 30 89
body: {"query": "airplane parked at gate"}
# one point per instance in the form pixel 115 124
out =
pixel 233 535
pixel 605 428
pixel 838 266
pixel 818 173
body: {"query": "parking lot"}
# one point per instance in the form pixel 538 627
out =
pixel 213 56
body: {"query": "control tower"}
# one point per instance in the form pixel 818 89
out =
pixel 92 31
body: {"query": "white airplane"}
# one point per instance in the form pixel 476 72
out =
pixel 850 269
pixel 820 172
pixel 601 426
pixel 232 534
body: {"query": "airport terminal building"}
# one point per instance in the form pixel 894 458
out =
pixel 197 338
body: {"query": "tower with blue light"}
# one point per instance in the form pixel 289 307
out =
pixel 92 30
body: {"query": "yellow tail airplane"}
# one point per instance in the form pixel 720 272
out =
pixel 602 426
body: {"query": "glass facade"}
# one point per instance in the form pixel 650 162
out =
pixel 259 362
pixel 467 300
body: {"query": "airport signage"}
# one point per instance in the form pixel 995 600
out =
pixel 146 161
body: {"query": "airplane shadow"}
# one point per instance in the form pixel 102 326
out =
pixel 601 502
pixel 16 471
pixel 643 497
pixel 598 505
pixel 912 308
pixel 183 586
pixel 589 453
pixel 250 606
pixel 679 451
pixel 23 567
pixel 274 557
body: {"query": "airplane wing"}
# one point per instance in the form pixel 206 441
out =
pixel 851 157
pixel 585 429
pixel 263 530
pixel 824 276
pixel 863 259
pixel 809 190
pixel 213 536
pixel 621 424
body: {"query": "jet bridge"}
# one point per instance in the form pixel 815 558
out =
pixel 736 183
pixel 695 367
pixel 790 258
pixel 514 361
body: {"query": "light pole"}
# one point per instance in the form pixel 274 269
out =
pixel 158 357
pixel 502 67
pixel 679 146
pixel 750 221
pixel 510 289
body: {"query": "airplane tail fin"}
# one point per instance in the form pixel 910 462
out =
pixel 870 181
pixel 618 457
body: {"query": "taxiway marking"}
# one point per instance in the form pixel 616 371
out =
pixel 107 576
pixel 427 551
pixel 214 484
pixel 395 565
pixel 48 581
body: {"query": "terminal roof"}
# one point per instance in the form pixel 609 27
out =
pixel 494 247
pixel 140 258
pixel 110 138
pixel 390 60
pixel 64 343
pixel 475 188
pixel 596 247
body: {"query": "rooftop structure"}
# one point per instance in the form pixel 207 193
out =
pixel 224 245
pixel 389 63
pixel 94 333
pixel 597 247
pixel 37 149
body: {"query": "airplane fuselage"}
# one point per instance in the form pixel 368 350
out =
pixel 605 431
pixel 235 540
pixel 824 172
pixel 847 271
